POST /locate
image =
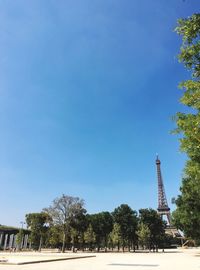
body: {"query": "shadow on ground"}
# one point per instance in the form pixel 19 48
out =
pixel 151 252
pixel 130 264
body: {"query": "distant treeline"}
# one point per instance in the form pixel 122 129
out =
pixel 67 225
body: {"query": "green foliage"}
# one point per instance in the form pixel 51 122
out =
pixel 153 221
pixel 189 29
pixel 55 236
pixel 38 223
pixel 115 236
pixel 65 222
pixel 126 218
pixel 8 228
pixel 144 235
pixel 78 227
pixel 19 238
pixel 68 213
pixel 187 216
pixel 89 236
pixel 102 224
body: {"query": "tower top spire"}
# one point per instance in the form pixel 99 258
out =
pixel 157 160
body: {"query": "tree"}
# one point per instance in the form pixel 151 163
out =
pixel 115 236
pixel 38 223
pixel 187 215
pixel 126 218
pixel 144 235
pixel 153 221
pixel 102 224
pixel 89 236
pixel 55 236
pixel 19 239
pixel 78 227
pixel 65 212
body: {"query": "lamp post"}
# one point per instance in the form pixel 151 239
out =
pixel 22 224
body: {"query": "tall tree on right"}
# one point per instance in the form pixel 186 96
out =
pixel 187 214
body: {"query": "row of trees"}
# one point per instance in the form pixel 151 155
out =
pixel 66 224
pixel 187 214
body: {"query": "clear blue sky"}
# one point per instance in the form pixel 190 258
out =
pixel 87 92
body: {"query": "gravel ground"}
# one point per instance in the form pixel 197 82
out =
pixel 188 259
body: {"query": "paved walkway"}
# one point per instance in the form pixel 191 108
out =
pixel 38 257
pixel 172 260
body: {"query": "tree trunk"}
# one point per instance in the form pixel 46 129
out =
pixel 40 245
pixel 156 248
pixel 63 243
pixel 123 245
pixel 106 244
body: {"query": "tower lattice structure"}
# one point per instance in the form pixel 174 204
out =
pixel 163 208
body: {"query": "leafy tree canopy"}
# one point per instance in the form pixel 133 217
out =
pixel 66 212
pixel 144 235
pixel 102 224
pixel 38 223
pixel 153 221
pixel 187 215
pixel 127 220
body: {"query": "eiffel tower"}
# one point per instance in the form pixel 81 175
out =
pixel 163 208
